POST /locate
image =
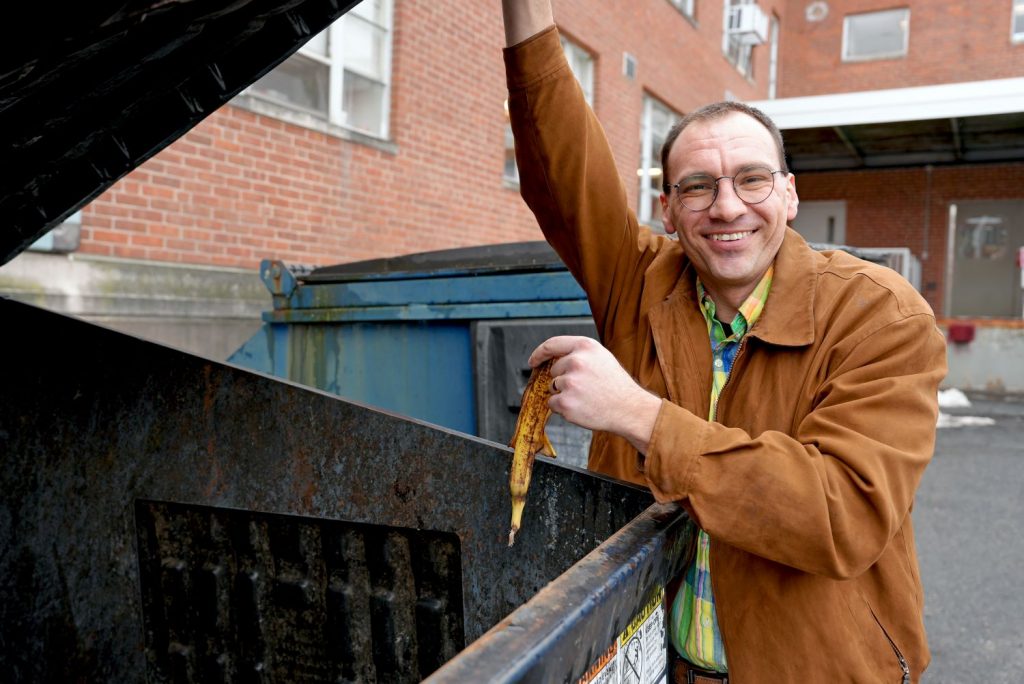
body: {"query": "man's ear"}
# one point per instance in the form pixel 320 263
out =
pixel 666 219
pixel 794 200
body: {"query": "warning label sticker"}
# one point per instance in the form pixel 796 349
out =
pixel 639 655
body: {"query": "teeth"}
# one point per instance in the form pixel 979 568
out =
pixel 729 237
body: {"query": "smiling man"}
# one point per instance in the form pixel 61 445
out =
pixel 786 398
pixel 733 199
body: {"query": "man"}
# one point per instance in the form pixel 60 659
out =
pixel 786 398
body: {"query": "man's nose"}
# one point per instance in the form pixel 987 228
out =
pixel 727 205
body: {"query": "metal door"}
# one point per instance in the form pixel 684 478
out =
pixel 983 277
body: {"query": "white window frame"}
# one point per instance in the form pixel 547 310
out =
pixel 1017 33
pixel 740 55
pixel 582 63
pixel 583 71
pixel 338 68
pixel 902 52
pixel 686 7
pixel 650 163
pixel 335 62
pixel 773 58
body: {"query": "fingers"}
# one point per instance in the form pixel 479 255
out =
pixel 555 347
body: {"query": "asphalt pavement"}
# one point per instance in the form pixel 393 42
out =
pixel 968 522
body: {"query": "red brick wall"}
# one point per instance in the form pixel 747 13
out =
pixel 241 187
pixel 949 42
pixel 891 208
pixel 679 62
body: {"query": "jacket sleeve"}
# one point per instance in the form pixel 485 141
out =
pixel 570 181
pixel 828 499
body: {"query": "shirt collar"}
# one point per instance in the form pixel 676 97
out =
pixel 749 310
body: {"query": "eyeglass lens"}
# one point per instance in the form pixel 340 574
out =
pixel 752 186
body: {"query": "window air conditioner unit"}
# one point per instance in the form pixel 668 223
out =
pixel 748 24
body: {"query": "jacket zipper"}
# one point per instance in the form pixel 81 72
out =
pixel 895 649
pixel 899 656
pixel 735 359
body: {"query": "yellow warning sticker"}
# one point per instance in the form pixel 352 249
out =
pixel 639 655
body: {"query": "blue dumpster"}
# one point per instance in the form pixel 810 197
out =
pixel 439 336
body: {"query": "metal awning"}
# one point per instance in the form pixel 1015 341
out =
pixel 953 123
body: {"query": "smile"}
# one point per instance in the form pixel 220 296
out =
pixel 729 237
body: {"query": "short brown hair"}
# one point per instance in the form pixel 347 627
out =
pixel 717 110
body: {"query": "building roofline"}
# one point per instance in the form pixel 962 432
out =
pixel 949 100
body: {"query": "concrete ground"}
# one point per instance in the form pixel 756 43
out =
pixel 968 518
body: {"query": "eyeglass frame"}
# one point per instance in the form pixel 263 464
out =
pixel 667 187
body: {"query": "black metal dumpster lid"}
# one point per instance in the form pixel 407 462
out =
pixel 90 90
pixel 509 257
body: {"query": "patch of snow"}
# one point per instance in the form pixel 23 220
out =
pixel 948 421
pixel 953 398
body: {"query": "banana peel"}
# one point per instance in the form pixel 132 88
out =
pixel 529 440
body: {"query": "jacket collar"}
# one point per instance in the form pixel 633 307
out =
pixel 788 316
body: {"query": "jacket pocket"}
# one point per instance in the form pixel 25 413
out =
pixel 880 653
pixel 895 649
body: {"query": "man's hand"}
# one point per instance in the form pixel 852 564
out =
pixel 594 391
pixel 524 18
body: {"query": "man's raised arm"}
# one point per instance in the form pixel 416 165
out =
pixel 525 18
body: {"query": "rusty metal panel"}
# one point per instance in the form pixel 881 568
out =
pixel 560 634
pixel 85 435
pixel 232 595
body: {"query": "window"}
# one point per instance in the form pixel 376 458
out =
pixel 657 120
pixel 342 74
pixel 684 6
pixel 582 65
pixel 64 237
pixel 773 59
pixel 738 50
pixel 1017 24
pixel 876 35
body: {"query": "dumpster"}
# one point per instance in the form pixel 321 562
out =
pixel 172 518
pixel 440 336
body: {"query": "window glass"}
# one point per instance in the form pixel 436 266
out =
pixel 1018 21
pixel 684 6
pixel 511 170
pixel 371 10
pixel 876 35
pixel 363 100
pixel 299 82
pixel 773 59
pixel 317 45
pixel 342 74
pixel 365 48
pixel 739 52
pixel 658 118
pixel 582 64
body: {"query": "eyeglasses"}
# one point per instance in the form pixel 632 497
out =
pixel 752 185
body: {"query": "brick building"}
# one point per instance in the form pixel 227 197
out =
pixel 387 135
pixel 904 123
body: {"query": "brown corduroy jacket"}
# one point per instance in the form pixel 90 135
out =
pixel 806 479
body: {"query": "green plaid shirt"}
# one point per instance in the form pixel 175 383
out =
pixel 694 624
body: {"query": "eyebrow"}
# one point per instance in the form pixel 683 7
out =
pixel 745 167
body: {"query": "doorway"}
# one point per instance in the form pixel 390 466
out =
pixel 983 275
pixel 822 222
